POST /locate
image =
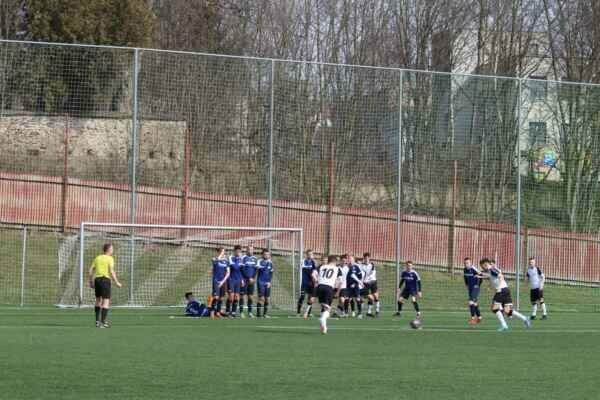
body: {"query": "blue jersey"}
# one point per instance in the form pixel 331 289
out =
pixel 220 268
pixel 265 271
pixel 472 280
pixel 308 266
pixel 249 267
pixel 235 265
pixel 412 280
pixel 196 309
pixel 357 272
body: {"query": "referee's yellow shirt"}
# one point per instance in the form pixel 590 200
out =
pixel 102 265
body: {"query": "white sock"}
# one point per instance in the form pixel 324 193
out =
pixel 519 315
pixel 308 307
pixel 377 307
pixel 534 309
pixel 501 319
pixel 370 309
pixel 544 311
pixel 324 317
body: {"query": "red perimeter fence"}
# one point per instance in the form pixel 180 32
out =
pixel 48 201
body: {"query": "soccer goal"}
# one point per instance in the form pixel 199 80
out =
pixel 157 264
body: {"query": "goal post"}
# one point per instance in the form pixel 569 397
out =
pixel 159 263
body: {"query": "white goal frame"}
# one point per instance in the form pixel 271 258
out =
pixel 295 265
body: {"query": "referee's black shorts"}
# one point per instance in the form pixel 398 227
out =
pixel 102 287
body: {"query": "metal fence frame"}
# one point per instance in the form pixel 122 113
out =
pixel 269 213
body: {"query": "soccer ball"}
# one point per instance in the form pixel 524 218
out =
pixel 415 324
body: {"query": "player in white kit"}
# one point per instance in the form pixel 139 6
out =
pixel 370 281
pixel 536 279
pixel 502 302
pixel 329 275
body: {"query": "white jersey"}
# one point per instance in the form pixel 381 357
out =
pixel 328 275
pixel 369 273
pixel 344 269
pixel 497 279
pixel 535 276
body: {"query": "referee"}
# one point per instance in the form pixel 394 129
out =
pixel 101 273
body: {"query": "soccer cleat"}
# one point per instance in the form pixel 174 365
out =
pixel 532 317
pixel 266 316
pixel 250 315
pixel 376 314
pixel 360 316
pixel 323 329
pixel 397 314
pixel 544 317
pixel 503 329
pixel 305 316
pixel 527 323
pixel 479 319
pixel 98 324
pixel 105 325
pixel 370 315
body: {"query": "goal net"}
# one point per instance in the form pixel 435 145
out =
pixel 157 264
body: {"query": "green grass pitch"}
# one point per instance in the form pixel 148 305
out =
pixel 149 354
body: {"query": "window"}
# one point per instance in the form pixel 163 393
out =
pixel 537 133
pixel 538 88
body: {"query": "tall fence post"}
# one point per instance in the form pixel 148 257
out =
pixel 23 263
pixel 518 211
pixel 330 195
pixel 271 131
pixel 65 178
pixel 399 185
pixel 134 159
pixel 186 181
pixel 452 224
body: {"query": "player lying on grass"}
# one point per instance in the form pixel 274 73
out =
pixel 472 277
pixel 412 288
pixel 249 271
pixel 536 279
pixel 265 280
pixel 220 274
pixel 307 286
pixel 101 274
pixel 195 308
pixel 370 281
pixel 502 301
pixel 329 276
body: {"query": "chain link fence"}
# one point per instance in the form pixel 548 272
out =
pixel 431 167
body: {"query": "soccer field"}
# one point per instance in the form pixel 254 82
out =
pixel 155 354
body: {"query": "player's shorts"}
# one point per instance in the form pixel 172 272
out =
pixel 503 297
pixel 364 292
pixel 308 290
pixel 345 292
pixel 474 293
pixel 235 286
pixel 218 291
pixel 353 292
pixel 264 290
pixel 371 287
pixel 536 295
pixel 406 293
pixel 248 288
pixel 325 294
pixel 102 287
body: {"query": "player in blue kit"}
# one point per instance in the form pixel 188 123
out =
pixel 249 270
pixel 307 286
pixel 264 279
pixel 472 277
pixel 235 280
pixel 195 308
pixel 354 285
pixel 220 275
pixel 412 288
